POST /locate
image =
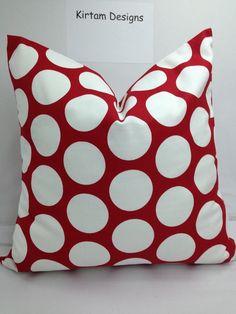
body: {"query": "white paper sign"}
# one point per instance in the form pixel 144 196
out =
pixel 110 31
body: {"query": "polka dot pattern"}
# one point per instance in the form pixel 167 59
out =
pixel 87 213
pixel 176 248
pixel 210 220
pixel 199 127
pixel 47 234
pixel 45 134
pixel 188 79
pixel 93 81
pixel 205 174
pixel 85 254
pixel 18 68
pixel 19 247
pixel 174 206
pixel 62 61
pixel 108 182
pixel 129 139
pixel 22 106
pixel 206 49
pixel 26 153
pixel 46 185
pixel 56 85
pixel 132 236
pixel 47 265
pixel 125 188
pixel 151 80
pixel 84 163
pixel 85 113
pixel 216 254
pixel 166 108
pixel 173 156
pixel 126 105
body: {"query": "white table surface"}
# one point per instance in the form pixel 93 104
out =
pixel 156 289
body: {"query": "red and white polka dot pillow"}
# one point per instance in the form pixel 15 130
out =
pixel 116 183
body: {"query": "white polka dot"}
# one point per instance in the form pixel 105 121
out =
pixel 133 235
pixel 150 80
pixel 181 55
pixel 93 81
pixel 210 220
pixel 49 86
pixel 45 134
pixel 9 263
pixel 214 255
pixel 22 60
pixel 22 106
pixel 84 163
pixel 205 174
pixel 206 49
pixel 133 261
pixel 126 106
pixel 86 112
pixel 166 108
pixel 46 185
pixel 175 206
pixel 199 127
pixel 193 80
pixel 19 247
pixel 209 99
pixel 85 254
pixel 62 61
pixel 47 265
pixel 25 153
pixel 129 139
pixel 176 248
pixel 23 209
pixel 47 233
pixel 87 213
pixel 131 190
pixel 173 156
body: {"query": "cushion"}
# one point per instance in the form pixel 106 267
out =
pixel 109 182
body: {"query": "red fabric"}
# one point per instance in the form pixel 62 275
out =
pixel 115 165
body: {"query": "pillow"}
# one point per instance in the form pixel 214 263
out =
pixel 108 182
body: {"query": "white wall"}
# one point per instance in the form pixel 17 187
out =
pixel 175 23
